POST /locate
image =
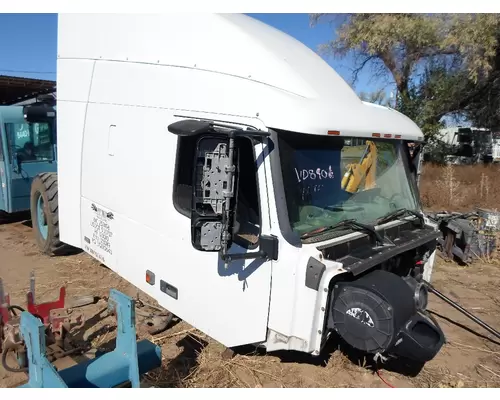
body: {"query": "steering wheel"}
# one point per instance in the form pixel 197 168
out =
pixel 393 202
pixel 348 208
pixel 314 215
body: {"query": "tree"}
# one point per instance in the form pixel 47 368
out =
pixel 440 64
pixel 377 97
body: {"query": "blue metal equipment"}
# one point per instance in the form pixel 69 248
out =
pixel 124 364
pixel 26 150
pixel 28 170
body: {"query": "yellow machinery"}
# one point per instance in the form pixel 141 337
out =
pixel 366 167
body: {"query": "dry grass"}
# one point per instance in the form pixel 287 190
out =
pixel 460 188
pixel 200 365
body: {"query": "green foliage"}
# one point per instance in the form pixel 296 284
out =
pixel 474 37
pixel 441 64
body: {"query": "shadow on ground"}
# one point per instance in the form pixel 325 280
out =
pixel 174 373
pixel 465 328
pixel 23 217
pixel 404 367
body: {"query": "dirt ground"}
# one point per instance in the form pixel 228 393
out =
pixel 470 358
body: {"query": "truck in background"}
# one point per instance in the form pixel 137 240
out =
pixel 464 146
pixel 495 147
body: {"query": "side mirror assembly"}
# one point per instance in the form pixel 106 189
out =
pixel 213 193
pixel 215 188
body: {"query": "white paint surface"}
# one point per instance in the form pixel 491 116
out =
pixel 137 74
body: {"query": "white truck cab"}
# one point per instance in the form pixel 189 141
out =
pixel 226 170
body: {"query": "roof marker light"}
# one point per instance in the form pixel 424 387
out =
pixel 334 133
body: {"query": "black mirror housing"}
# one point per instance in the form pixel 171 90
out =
pixel 194 127
pixel 189 127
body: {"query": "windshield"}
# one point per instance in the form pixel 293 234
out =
pixel 329 179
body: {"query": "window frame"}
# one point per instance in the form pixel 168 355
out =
pixel 9 134
pixel 284 219
pixel 2 155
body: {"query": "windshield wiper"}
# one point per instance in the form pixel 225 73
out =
pixel 396 214
pixel 348 223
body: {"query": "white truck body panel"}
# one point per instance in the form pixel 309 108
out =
pixel 122 79
pixel 496 150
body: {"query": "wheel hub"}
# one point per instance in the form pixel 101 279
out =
pixel 42 217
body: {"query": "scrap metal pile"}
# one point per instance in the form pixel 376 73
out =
pixel 34 339
pixel 467 236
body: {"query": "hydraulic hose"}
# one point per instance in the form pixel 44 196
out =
pixel 4 362
pixel 462 310
pixel 14 307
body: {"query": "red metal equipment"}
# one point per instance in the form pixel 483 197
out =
pixel 57 319
pixel 42 311
pixel 4 312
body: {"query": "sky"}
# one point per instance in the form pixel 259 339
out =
pixel 28 44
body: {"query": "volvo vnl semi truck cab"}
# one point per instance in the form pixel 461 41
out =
pixel 202 159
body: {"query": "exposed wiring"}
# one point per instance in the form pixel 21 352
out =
pixel 383 380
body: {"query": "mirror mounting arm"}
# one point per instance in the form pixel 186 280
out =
pixel 268 250
pixel 243 256
pixel 228 193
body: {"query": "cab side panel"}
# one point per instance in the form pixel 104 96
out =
pixel 128 219
pixel 73 88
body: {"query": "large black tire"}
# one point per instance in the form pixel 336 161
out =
pixel 45 186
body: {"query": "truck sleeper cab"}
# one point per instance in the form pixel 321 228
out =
pixel 252 194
